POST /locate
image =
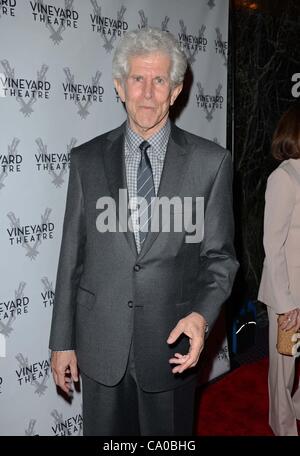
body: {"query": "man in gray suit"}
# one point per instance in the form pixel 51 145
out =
pixel 133 304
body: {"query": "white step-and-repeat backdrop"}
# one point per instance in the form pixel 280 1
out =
pixel 56 92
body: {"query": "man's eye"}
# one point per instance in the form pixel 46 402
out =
pixel 138 78
pixel 159 80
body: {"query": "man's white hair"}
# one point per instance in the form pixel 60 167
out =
pixel 144 41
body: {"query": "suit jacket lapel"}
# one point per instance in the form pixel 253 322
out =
pixel 115 170
pixel 174 169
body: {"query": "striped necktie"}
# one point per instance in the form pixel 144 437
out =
pixel 145 191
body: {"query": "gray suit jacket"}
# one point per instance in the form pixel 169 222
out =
pixel 106 294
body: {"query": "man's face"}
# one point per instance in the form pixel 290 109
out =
pixel 147 92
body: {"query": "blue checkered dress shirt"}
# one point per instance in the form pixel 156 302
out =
pixel 156 152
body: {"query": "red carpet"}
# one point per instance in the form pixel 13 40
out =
pixel 237 404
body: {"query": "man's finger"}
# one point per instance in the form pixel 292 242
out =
pixel 175 333
pixel 191 358
pixel 188 363
pixel 188 360
pixel 62 383
pixel 74 372
pixel 179 360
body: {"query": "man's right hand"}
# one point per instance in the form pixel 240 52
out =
pixel 64 369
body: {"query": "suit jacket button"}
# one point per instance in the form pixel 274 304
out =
pixel 130 304
pixel 137 267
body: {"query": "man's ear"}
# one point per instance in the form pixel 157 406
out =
pixel 175 92
pixel 120 89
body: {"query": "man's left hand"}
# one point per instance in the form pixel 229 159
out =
pixel 193 326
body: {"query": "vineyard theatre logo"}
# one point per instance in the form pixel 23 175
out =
pixel 192 44
pixel 221 47
pixel 30 237
pixel 144 21
pixel 109 28
pixel 2 85
pixel 296 87
pixel 208 102
pixel 30 432
pixel 55 164
pixel 118 99
pixel 7 7
pixel 83 95
pixel 13 308
pixel 11 162
pixel 6 327
pixel 69 426
pixel 35 374
pixel 47 294
pixel 56 19
pixel 26 91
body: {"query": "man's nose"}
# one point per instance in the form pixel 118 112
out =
pixel 148 89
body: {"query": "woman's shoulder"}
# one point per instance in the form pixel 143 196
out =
pixel 280 179
pixel 283 172
pixel 285 178
pixel 292 168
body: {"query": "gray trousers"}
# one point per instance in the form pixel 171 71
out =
pixel 125 409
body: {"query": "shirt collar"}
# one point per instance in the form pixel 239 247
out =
pixel 158 141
